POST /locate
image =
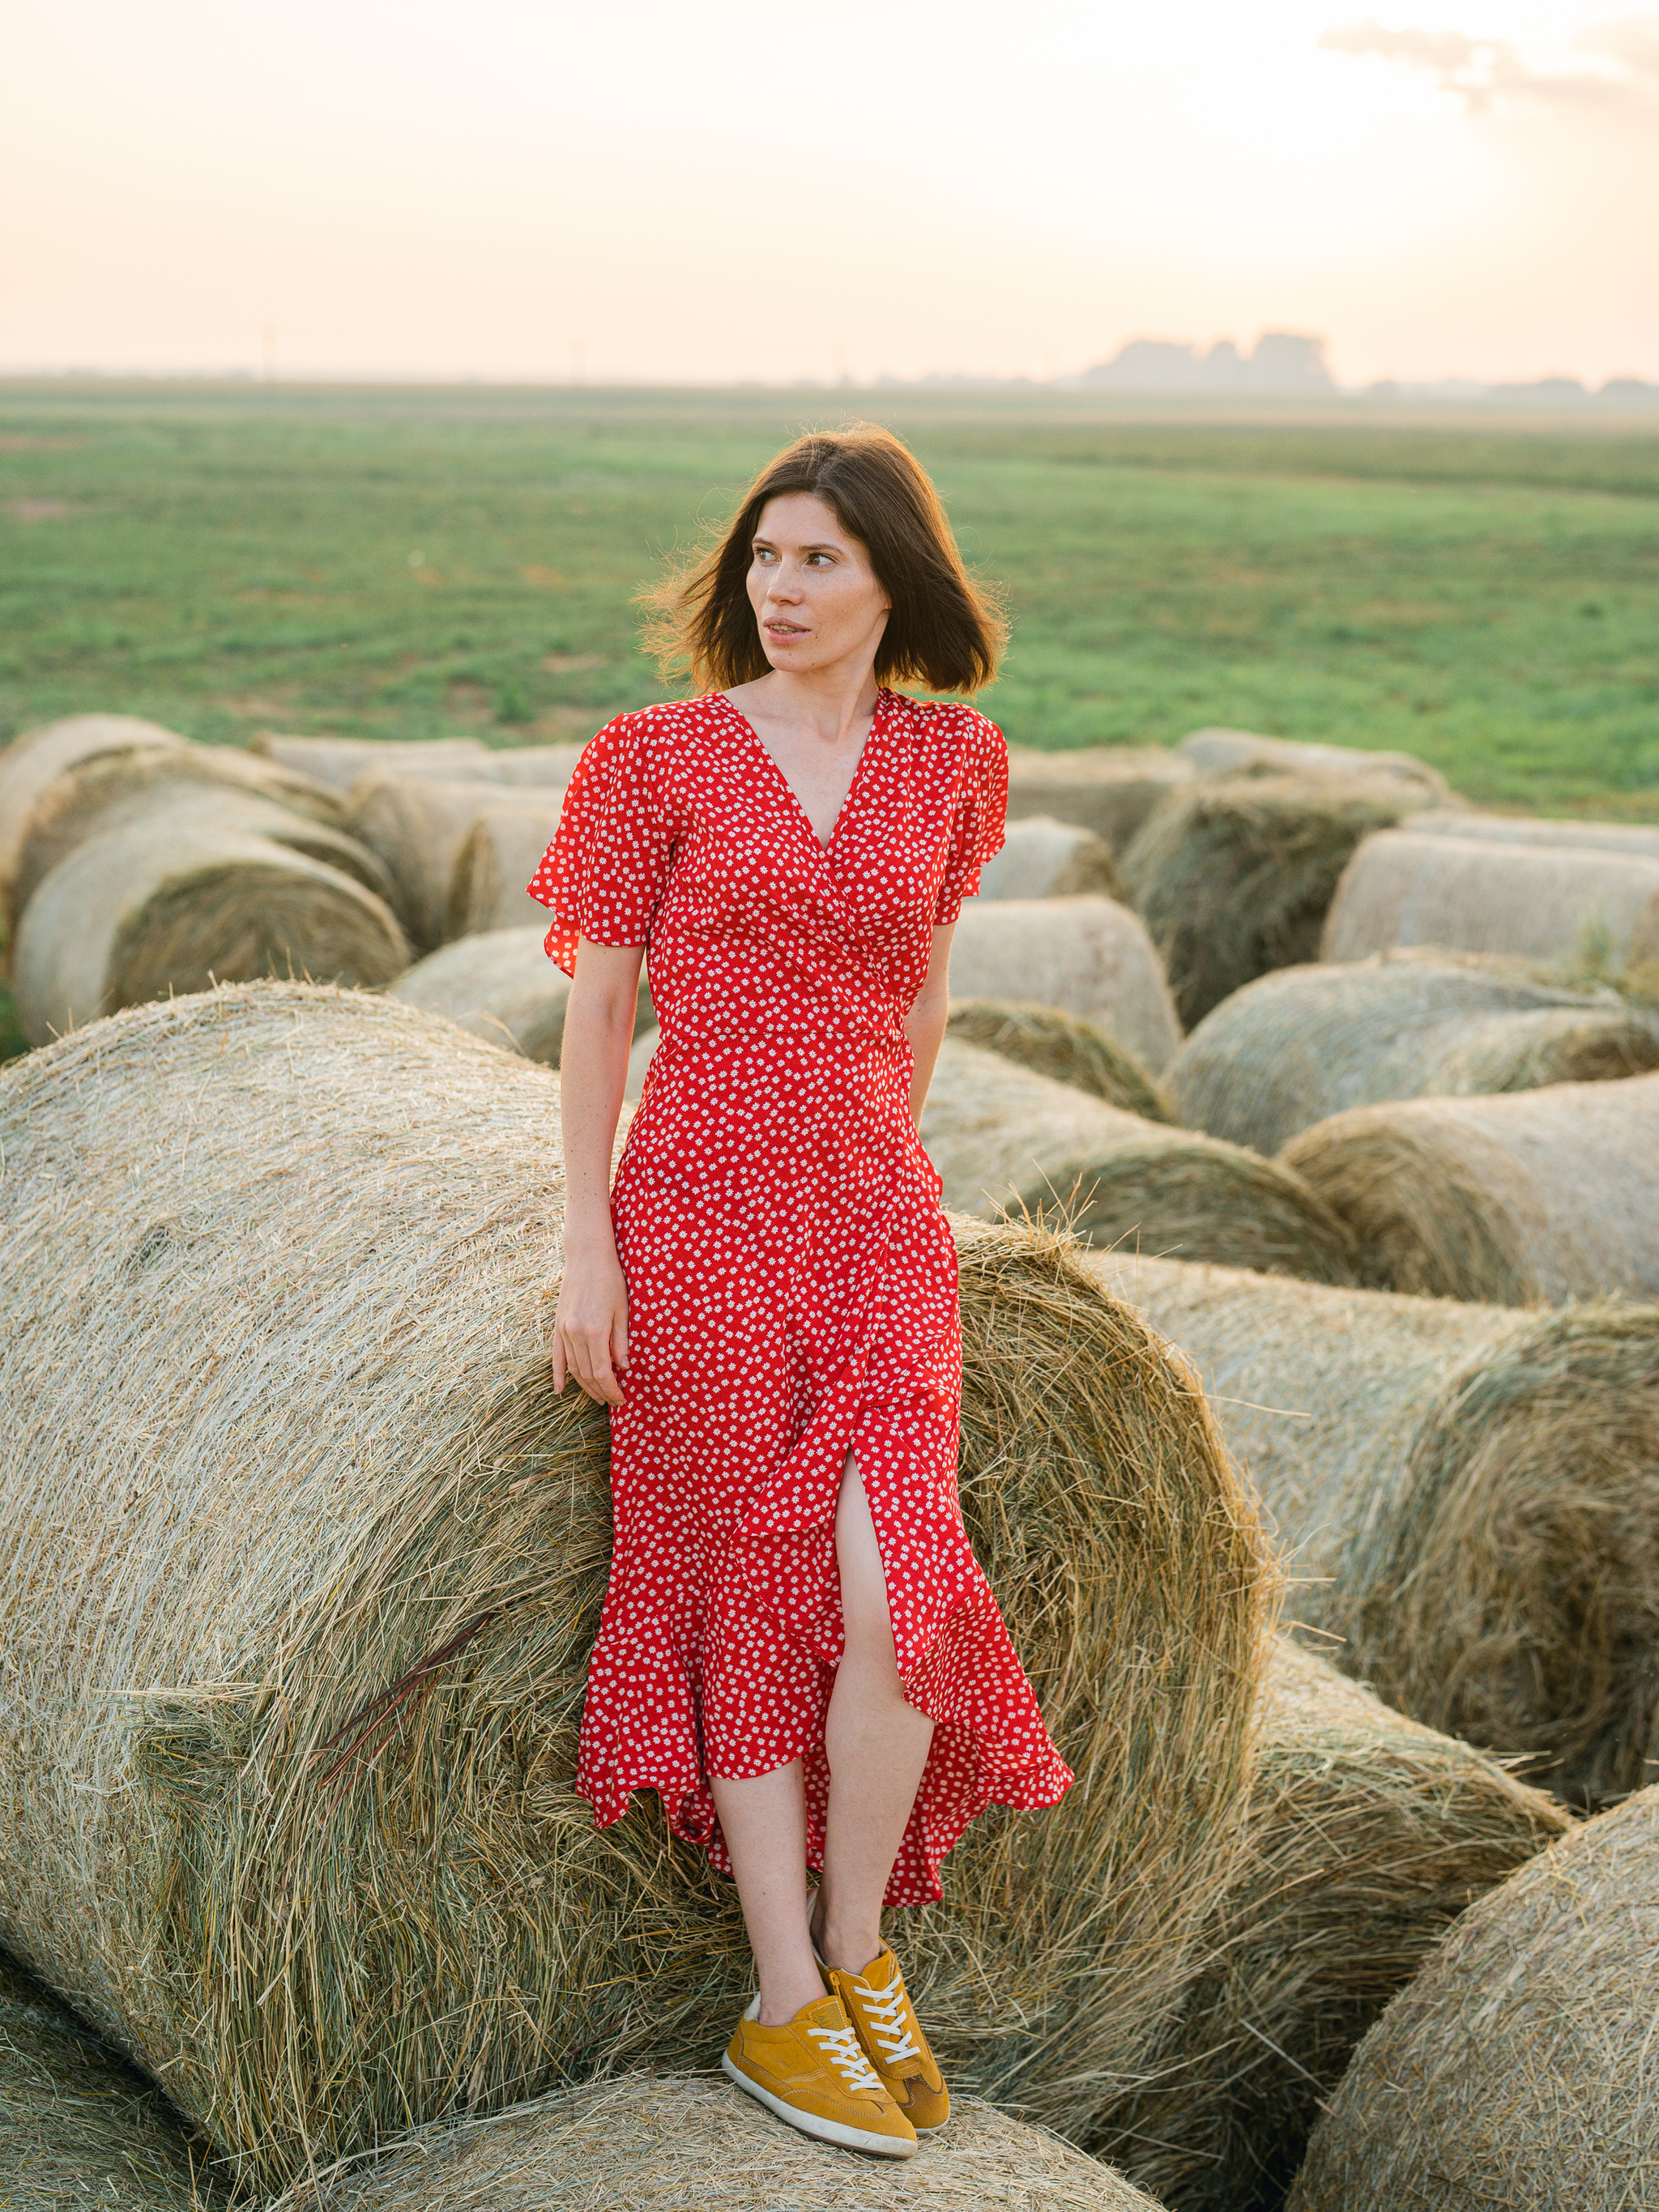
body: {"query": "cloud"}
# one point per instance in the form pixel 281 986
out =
pixel 1486 73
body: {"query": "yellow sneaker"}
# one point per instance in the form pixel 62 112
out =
pixel 812 2073
pixel 878 2005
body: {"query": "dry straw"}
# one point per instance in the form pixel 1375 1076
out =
pixel 540 767
pixel 1243 752
pixel 342 762
pixel 663 2142
pixel 497 857
pixel 1109 789
pixel 1088 956
pixel 103 794
pixel 1522 2067
pixel 1534 1199
pixel 1066 1046
pixel 1004 1139
pixel 1560 903
pixel 1468 1496
pixel 1233 877
pixel 32 762
pixel 78 2125
pixel 418 825
pixel 1368 1835
pixel 1042 857
pixel 210 886
pixel 1293 1048
pixel 302 1562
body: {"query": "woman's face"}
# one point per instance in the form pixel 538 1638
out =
pixel 815 595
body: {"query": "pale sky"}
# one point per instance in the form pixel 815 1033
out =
pixel 709 190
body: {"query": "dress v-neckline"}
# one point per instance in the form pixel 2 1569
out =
pixel 824 847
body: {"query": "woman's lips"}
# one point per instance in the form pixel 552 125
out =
pixel 785 629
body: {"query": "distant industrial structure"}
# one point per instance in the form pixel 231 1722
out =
pixel 1283 361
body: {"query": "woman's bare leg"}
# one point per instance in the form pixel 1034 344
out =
pixel 764 1824
pixel 876 1745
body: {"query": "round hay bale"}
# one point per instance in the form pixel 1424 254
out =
pixel 1243 752
pixel 497 857
pixel 102 794
pixel 1088 956
pixel 1042 857
pixel 1466 1496
pixel 1052 1042
pixel 540 766
pixel 1368 1835
pixel 1567 903
pixel 1538 830
pixel 502 986
pixel 209 889
pixel 342 762
pixel 303 1561
pixel 669 2141
pixel 1528 1200
pixel 1520 2067
pixel 1006 1140
pixel 36 759
pixel 1295 1046
pixel 418 825
pixel 1233 877
pixel 78 2125
pixel 1110 789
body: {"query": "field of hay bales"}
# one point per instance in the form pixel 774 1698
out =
pixel 1338 1316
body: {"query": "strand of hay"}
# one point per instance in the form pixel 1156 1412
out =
pixel 303 1561
pixel 77 2126
pixel 497 857
pixel 418 826
pixel 32 762
pixel 1109 789
pixel 1052 1042
pixel 1521 2067
pixel 1467 1498
pixel 1006 1140
pixel 1243 752
pixel 1233 877
pixel 1538 830
pixel 1470 895
pixel 1295 1046
pixel 671 2141
pixel 212 888
pixel 1532 1199
pixel 1042 857
pixel 1087 955
pixel 104 794
pixel 1368 1836
pixel 342 762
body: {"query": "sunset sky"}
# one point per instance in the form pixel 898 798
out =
pixel 717 191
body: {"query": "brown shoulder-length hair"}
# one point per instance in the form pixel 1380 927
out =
pixel 945 631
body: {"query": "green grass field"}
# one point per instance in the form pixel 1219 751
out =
pixel 1484 592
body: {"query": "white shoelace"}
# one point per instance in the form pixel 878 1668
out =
pixel 842 2045
pixel 885 2014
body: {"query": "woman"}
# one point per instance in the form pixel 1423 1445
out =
pixel 798 1650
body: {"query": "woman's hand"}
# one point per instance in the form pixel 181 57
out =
pixel 590 1328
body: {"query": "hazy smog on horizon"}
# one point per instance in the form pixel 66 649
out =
pixel 1199 200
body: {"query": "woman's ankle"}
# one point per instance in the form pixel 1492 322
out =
pixel 782 1999
pixel 849 1948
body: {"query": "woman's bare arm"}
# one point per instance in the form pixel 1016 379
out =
pixel 589 1329
pixel 925 1023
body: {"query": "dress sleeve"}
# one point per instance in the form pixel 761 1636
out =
pixel 976 830
pixel 605 871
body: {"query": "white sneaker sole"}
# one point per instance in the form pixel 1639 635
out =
pixel 810 2123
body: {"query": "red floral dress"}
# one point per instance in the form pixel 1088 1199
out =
pixel 792 1282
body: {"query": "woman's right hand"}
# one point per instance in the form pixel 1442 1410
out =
pixel 590 1328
